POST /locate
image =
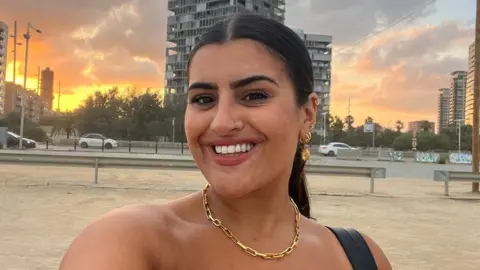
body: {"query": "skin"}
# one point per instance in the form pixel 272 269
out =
pixel 251 199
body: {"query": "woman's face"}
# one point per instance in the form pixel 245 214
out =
pixel 242 122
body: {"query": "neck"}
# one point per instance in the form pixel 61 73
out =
pixel 259 213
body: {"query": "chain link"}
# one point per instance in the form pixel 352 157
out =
pixel 247 249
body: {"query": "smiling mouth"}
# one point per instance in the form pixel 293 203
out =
pixel 233 149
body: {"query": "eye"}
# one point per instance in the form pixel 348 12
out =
pixel 256 96
pixel 202 100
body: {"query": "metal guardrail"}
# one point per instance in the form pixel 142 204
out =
pixel 453 176
pixel 104 160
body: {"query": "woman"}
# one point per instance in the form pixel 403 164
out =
pixel 249 115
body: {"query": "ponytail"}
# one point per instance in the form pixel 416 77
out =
pixel 297 185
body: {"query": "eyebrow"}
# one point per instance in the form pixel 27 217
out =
pixel 235 84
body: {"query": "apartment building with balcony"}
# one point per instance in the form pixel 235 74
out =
pixel 189 19
pixel 458 85
pixel 35 106
pixel 470 85
pixel 3 63
pixel 320 50
pixel 443 112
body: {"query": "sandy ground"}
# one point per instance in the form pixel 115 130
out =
pixel 43 208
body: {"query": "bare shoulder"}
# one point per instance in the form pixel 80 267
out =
pixel 378 254
pixel 121 239
pixel 336 251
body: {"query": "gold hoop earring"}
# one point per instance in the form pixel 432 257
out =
pixel 306 150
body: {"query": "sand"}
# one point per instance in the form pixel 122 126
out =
pixel 43 208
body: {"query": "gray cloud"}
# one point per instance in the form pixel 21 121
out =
pixel 350 20
pixel 55 17
pixel 410 71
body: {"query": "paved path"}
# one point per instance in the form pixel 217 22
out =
pixel 43 208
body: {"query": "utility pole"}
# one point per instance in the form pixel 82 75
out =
pixel 15 43
pixel 476 101
pixel 38 81
pixel 348 107
pixel 58 100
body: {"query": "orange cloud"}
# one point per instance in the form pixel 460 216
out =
pixel 396 76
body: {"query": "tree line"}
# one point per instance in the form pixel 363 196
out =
pixel 143 116
pixel 345 130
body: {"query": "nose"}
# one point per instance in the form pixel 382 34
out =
pixel 226 120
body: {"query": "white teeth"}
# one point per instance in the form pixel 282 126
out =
pixel 235 148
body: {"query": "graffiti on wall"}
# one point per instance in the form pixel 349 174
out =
pixel 460 158
pixel 427 157
pixel 396 155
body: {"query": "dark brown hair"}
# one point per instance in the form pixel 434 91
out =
pixel 288 46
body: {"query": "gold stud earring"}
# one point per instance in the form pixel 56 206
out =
pixel 306 150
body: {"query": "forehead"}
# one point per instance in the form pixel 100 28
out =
pixel 233 60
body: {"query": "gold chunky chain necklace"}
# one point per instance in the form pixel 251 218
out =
pixel 247 249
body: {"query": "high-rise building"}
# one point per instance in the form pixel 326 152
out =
pixel 320 50
pixel 443 114
pixel 189 19
pixel 470 85
pixel 46 87
pixel 458 85
pixel 3 63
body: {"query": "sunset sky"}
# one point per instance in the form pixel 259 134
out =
pixel 94 45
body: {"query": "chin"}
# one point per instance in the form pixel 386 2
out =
pixel 232 187
pixel 232 175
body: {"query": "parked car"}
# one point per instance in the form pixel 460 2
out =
pixel 13 140
pixel 331 149
pixel 95 140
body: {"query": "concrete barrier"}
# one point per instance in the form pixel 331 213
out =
pixel 350 154
pixel 460 158
pixel 427 157
pixel 388 155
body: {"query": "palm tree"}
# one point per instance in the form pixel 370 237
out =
pixel 369 119
pixel 426 126
pixel 63 124
pixel 349 120
pixel 399 126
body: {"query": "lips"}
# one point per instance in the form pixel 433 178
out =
pixel 231 152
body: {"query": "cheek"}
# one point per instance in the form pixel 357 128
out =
pixel 279 123
pixel 193 125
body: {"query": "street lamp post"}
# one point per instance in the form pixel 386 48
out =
pixel 459 133
pixel 27 37
pixel 324 127
pixel 173 129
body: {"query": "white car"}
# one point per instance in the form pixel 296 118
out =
pixel 331 149
pixel 95 140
